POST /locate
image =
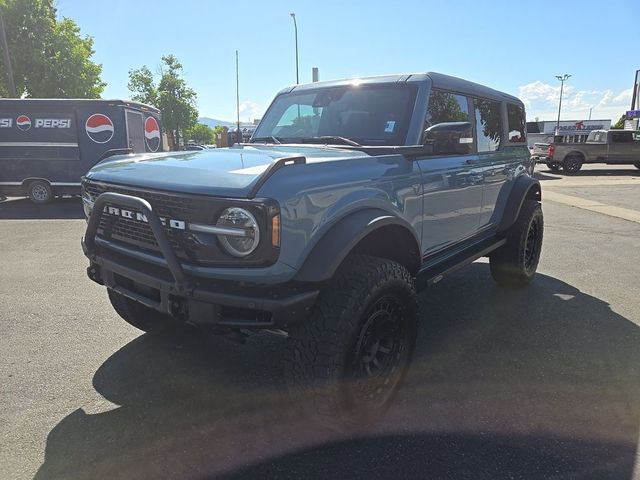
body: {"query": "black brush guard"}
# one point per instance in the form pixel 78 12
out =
pixel 275 307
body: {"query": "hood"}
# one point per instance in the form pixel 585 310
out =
pixel 229 172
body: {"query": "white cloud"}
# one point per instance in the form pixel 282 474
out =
pixel 625 96
pixel 541 100
pixel 250 110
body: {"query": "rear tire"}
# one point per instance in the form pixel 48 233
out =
pixel 40 192
pixel 345 363
pixel 572 164
pixel 554 167
pixel 515 263
pixel 143 318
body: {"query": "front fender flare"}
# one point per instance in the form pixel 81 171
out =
pixel 335 245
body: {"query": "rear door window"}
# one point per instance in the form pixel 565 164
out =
pixel 488 121
pixel 621 137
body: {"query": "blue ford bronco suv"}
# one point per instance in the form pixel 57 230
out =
pixel 349 197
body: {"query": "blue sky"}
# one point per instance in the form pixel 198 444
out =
pixel 517 47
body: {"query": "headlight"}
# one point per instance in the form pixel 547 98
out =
pixel 87 202
pixel 243 235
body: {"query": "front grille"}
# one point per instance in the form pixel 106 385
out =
pixel 195 247
pixel 139 233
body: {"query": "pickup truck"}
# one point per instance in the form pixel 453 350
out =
pixel 349 197
pixel 613 147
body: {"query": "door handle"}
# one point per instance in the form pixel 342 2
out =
pixel 472 161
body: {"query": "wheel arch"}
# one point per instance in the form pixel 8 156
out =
pixel 27 181
pixel 525 188
pixel 576 153
pixel 369 231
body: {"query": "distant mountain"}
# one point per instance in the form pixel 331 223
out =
pixel 212 122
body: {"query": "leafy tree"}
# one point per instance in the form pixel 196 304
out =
pixel 49 56
pixel 141 82
pixel 171 95
pixel 200 134
pixel 619 123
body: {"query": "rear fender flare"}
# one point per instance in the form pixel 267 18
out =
pixel 524 188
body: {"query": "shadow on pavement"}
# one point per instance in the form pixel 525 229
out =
pixel 601 172
pixel 534 383
pixel 542 176
pixel 59 209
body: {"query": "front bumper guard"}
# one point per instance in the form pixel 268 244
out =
pixel 174 294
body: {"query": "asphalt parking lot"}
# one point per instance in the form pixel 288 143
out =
pixel 535 383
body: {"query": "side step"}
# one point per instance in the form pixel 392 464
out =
pixel 434 269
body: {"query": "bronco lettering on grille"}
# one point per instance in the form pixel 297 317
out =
pixel 140 217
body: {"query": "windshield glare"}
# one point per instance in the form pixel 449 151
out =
pixel 368 115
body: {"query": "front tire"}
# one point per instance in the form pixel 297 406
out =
pixel 515 263
pixel 142 317
pixel 40 192
pixel 345 364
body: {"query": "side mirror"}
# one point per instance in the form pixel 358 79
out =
pixel 449 138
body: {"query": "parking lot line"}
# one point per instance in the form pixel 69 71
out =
pixel 594 206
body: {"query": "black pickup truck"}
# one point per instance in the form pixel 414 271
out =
pixel 613 147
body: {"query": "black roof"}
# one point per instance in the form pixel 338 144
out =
pixel 438 80
pixel 72 102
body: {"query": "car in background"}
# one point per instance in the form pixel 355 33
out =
pixel 612 147
pixel 194 147
pixel 540 151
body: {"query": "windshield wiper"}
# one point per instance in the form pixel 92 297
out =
pixel 330 138
pixel 267 139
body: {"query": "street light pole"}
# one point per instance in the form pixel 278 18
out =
pixel 238 134
pixel 295 26
pixel 562 79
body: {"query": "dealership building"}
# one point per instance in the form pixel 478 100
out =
pixel 570 130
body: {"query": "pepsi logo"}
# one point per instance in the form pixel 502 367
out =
pixel 23 123
pixel 99 128
pixel 152 134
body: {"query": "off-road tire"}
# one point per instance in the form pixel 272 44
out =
pixel 572 164
pixel 325 369
pixel 40 192
pixel 554 167
pixel 142 317
pixel 515 263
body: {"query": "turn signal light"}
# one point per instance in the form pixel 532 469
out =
pixel 275 230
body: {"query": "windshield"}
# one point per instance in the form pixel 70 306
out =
pixel 366 114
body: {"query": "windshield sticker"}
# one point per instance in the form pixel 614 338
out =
pixel 390 126
pixel 466 140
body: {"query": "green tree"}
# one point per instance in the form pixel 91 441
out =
pixel 619 123
pixel 49 56
pixel 200 134
pixel 171 95
pixel 141 82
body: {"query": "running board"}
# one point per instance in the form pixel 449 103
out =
pixel 434 270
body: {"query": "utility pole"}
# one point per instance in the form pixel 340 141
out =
pixel 295 26
pixel 7 59
pixel 238 133
pixel 562 78
pixel 636 87
pixel 590 108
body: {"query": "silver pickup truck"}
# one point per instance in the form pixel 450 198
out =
pixel 613 147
